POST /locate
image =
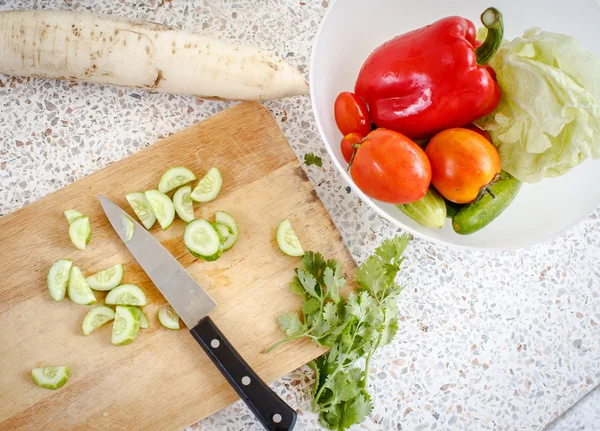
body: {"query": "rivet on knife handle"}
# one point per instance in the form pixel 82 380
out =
pixel 272 411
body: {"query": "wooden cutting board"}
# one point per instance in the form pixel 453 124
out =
pixel 163 380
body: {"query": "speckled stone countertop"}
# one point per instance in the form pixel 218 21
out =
pixel 488 340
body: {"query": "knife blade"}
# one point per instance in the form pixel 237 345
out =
pixel 193 304
pixel 189 300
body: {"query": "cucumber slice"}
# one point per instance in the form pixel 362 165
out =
pixel 107 279
pixel 126 325
pixel 202 240
pixel 58 278
pixel 144 324
pixel 162 207
pixel 97 317
pixel 210 258
pixel 223 230
pixel 71 215
pixel 78 289
pixel 175 177
pixel 128 227
pixel 168 318
pixel 222 217
pixel 142 209
pixel 208 187
pixel 287 239
pixel 80 232
pixel 50 377
pixel 183 204
pixel 126 294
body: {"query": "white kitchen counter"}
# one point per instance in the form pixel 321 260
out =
pixel 487 341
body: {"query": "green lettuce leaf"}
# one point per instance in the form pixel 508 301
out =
pixel 549 118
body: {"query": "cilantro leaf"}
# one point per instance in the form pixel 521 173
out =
pixel 372 277
pixel 320 328
pixel 309 283
pixel 314 263
pixel 291 325
pixel 340 388
pixel 310 306
pixel 334 283
pixel 331 417
pixel 316 367
pixel 363 306
pixel 356 410
pixel 330 314
pixel 388 332
pixel 312 159
pixel 390 251
pixel 296 287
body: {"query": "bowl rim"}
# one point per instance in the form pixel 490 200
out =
pixel 397 223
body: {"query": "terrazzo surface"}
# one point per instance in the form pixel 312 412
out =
pixel 488 340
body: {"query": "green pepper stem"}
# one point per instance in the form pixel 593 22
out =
pixel 492 20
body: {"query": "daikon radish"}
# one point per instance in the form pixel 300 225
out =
pixel 110 50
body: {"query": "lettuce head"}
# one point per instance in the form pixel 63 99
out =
pixel 549 118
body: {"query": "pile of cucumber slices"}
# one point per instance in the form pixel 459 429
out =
pixel 204 239
pixel 66 279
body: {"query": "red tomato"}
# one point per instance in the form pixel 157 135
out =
pixel 347 145
pixel 351 114
pixel 482 132
pixel 462 163
pixel 391 168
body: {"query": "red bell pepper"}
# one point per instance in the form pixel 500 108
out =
pixel 433 78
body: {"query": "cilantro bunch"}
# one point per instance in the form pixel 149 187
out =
pixel 353 327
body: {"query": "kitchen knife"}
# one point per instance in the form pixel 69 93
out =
pixel 193 304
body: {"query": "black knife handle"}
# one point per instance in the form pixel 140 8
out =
pixel 271 411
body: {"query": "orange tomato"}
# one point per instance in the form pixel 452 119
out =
pixel 391 168
pixel 462 163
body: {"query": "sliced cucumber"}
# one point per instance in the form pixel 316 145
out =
pixel 97 317
pixel 107 279
pixel 50 377
pixel 80 232
pixel 223 230
pixel 141 316
pixel 183 204
pixel 162 207
pixel 202 240
pixel 175 177
pixel 142 209
pixel 168 318
pixel 128 227
pixel 71 215
pixel 210 258
pixel 144 324
pixel 221 217
pixel 126 294
pixel 78 289
pixel 58 278
pixel 126 325
pixel 287 239
pixel 208 187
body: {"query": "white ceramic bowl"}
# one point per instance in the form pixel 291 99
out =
pixel 349 32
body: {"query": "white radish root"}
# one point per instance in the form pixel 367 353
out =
pixel 109 50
